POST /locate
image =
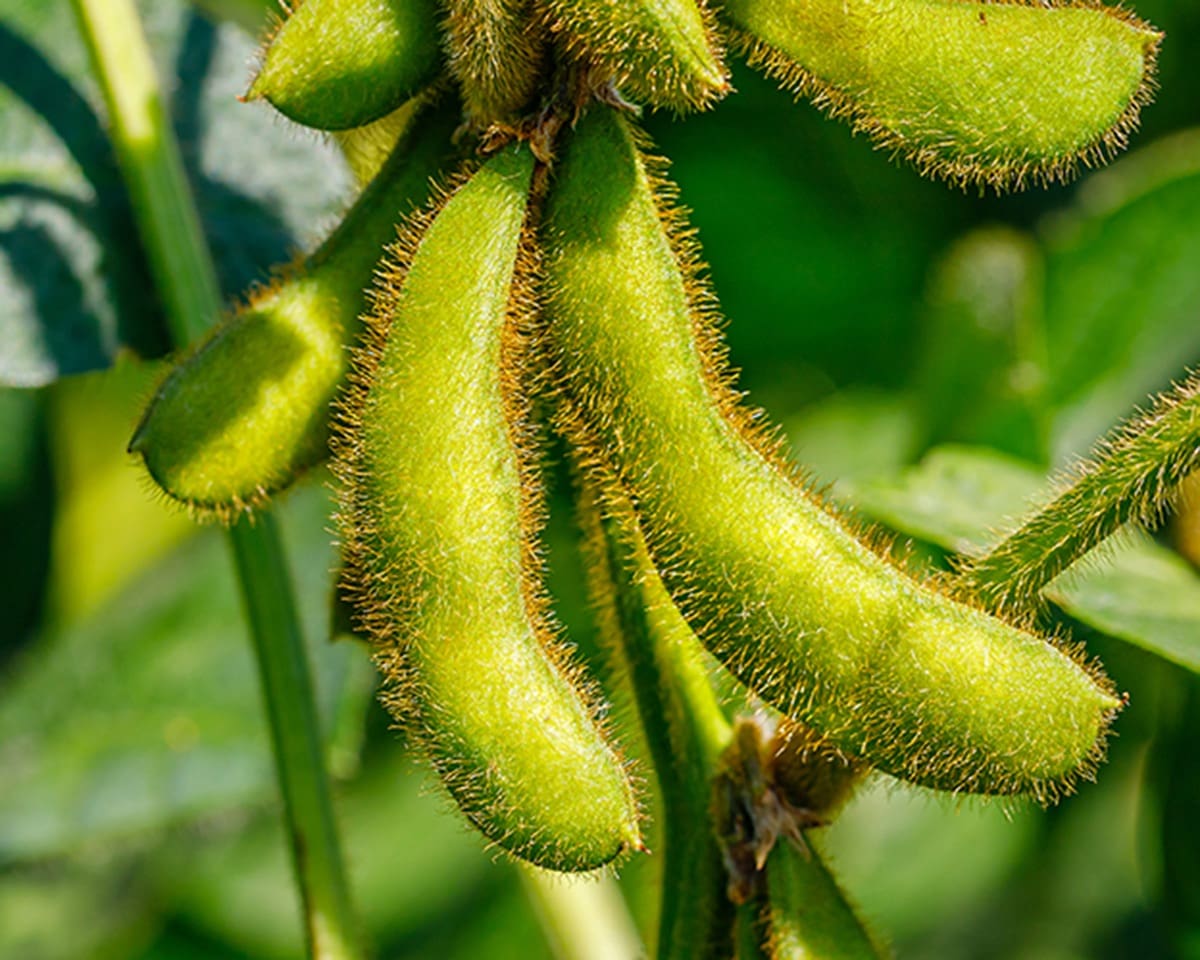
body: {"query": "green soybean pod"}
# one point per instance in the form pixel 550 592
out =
pixel 816 623
pixel 438 511
pixel 683 723
pixel 664 52
pixel 807 916
pixel 246 411
pixel 495 52
pixel 336 64
pixel 975 92
pixel 368 147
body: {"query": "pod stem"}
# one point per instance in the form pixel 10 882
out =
pixel 1134 477
pixel 584 918
pixel 287 686
pixel 182 267
pixel 685 728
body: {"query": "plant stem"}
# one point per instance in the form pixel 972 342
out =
pixel 1135 476
pixel 299 757
pixel 183 271
pixel 584 918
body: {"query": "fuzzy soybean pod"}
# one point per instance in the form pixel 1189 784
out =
pixel 806 916
pixel 438 516
pixel 495 53
pixel 337 64
pixel 683 723
pixel 975 92
pixel 662 52
pixel 246 411
pixel 811 619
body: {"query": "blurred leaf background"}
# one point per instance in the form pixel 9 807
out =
pixel 934 356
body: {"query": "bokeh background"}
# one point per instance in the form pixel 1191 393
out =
pixel 933 356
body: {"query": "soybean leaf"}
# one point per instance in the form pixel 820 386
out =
pixel 958 497
pixel 853 434
pixel 237 886
pixel 981 374
pixel 1122 308
pixel 110 912
pixel 955 497
pixel 150 711
pixel 1144 594
pixel 26 514
pixel 73 279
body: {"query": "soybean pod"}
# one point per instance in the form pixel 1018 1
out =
pixel 806 916
pixel 664 52
pixel 438 514
pixel 889 670
pixel 683 724
pixel 495 54
pixel 1134 476
pixel 243 414
pixel 975 92
pixel 337 64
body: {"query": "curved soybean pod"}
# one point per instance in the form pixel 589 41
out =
pixel 664 52
pixel 976 92
pixel 336 64
pixel 494 54
pixel 683 723
pixel 238 418
pixel 436 515
pixel 817 624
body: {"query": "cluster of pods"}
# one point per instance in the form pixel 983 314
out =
pixel 542 272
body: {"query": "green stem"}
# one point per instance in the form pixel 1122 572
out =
pixel 299 757
pixel 684 726
pixel 183 271
pixel 584 918
pixel 1134 477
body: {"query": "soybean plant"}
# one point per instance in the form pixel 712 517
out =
pixel 549 281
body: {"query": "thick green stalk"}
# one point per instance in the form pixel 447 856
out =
pixel 584 918
pixel 183 271
pixel 299 756
pixel 1134 476
pixel 685 728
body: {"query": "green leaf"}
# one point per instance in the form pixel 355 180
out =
pixel 72 275
pixel 981 375
pixel 960 498
pixel 1142 593
pixel 1122 307
pixel 955 497
pixel 411 860
pixel 853 434
pixel 151 711
pixel 72 910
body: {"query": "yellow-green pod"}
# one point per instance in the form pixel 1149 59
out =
pixel 336 64
pixel 438 512
pixel 806 916
pixel 368 147
pixel 661 52
pixel 975 92
pixel 811 619
pixel 495 51
pixel 240 416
